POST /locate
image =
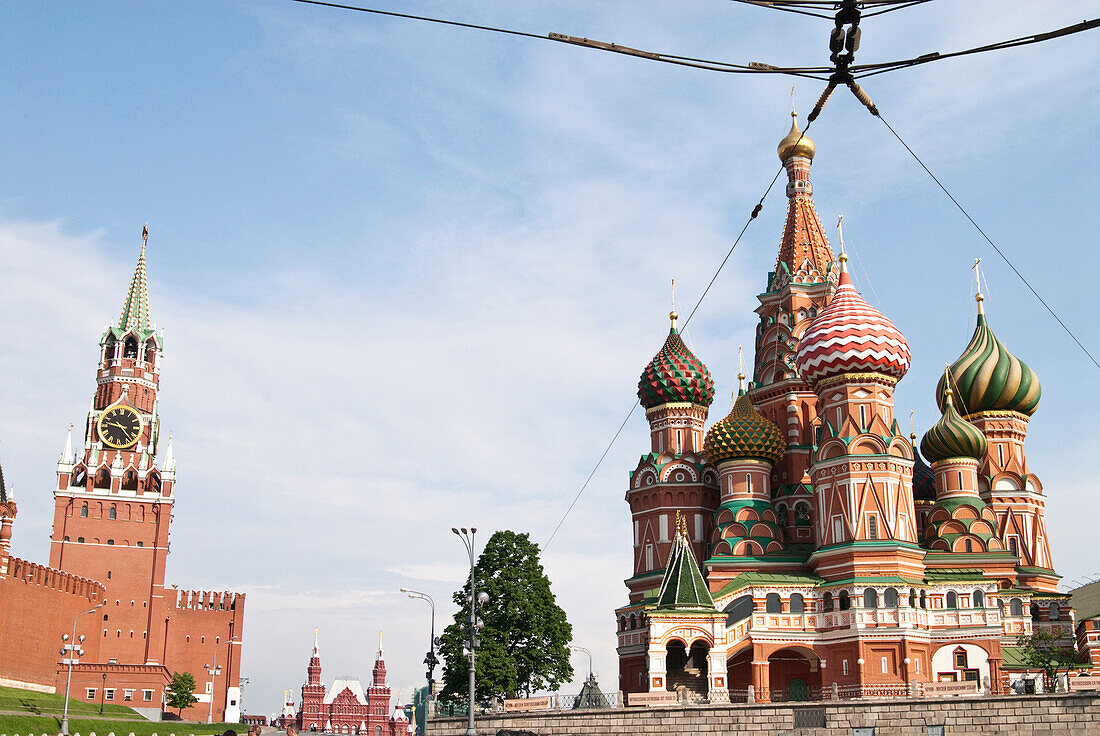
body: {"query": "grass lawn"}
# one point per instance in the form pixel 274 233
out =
pixel 11 725
pixel 33 703
pixel 40 713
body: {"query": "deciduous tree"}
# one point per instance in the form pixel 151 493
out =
pixel 524 645
pixel 181 691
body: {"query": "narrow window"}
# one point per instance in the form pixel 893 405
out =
pixel 698 527
pixel 112 513
pixel 798 605
pixel 979 599
pixel 862 415
pixel 661 442
pixel 952 599
pixel 772 604
pixel 1055 612
pixel 1001 454
pixel 1013 546
pixel 870 598
pixel 84 511
pixel 748 481
pixel 960 477
pixel 872 527
pixel 844 666
pixel 662 523
pixel 969 545
pixel 960 658
pixel 885 665
pixel 649 557
pixel 679 440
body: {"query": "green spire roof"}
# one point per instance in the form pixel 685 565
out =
pixel 683 586
pixel 135 310
pixel 952 436
pixel 989 378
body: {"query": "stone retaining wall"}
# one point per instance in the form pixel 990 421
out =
pixel 1016 715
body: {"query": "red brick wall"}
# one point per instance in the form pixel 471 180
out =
pixel 37 605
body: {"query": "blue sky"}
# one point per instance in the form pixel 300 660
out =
pixel 409 274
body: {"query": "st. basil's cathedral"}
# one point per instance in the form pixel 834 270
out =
pixel 801 545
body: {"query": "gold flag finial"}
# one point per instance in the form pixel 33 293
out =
pixel 144 238
pixel 840 234
pixel 672 314
pixel 978 296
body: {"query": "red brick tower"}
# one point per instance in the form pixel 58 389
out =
pixel 313 693
pixel 113 504
pixel 378 696
pixel 804 279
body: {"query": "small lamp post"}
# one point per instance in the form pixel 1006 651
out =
pixel 102 693
pixel 430 659
pixel 71 651
pixel 215 669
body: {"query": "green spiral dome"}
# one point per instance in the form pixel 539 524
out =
pixel 952 436
pixel 987 377
pixel 675 375
pixel 744 435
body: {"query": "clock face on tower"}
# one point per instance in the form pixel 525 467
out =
pixel 119 427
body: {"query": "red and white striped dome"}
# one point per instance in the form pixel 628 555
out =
pixel 850 336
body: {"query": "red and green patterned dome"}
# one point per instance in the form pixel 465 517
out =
pixel 675 375
pixel 745 434
pixel 989 378
pixel 952 437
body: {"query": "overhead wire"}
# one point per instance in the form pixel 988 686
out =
pixel 752 216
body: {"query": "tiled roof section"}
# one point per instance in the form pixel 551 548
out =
pixel 683 586
pixel 744 434
pixel 989 378
pixel 924 480
pixel 675 375
pixel 804 248
pixel 851 336
pixel 135 310
pixel 750 578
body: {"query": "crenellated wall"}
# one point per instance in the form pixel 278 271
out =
pixel 29 644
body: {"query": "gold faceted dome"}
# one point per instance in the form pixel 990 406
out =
pixel 792 146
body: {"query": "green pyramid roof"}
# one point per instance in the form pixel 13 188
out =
pixel 683 586
pixel 135 309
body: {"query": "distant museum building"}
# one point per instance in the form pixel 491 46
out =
pixel 346 708
pixel 801 545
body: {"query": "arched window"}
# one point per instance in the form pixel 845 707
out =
pixel 952 599
pixel 80 540
pixel 797 604
pixel 870 598
pixel 890 598
pixel 103 478
pixel 923 600
pixel 781 514
pixel 802 512
pixel 80 477
pixel 979 599
pixel 112 513
pixel 84 511
pixel 845 601
pixel 1015 607
pixel 66 537
pixel 130 350
pixel 150 351
pixel 827 602
pixel 130 481
pixel 912 598
pixel 968 545
pixel 1034 611
pixel 772 604
pixel 1055 612
pixel 633 622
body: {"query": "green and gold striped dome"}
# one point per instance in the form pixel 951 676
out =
pixel 744 435
pixel 952 436
pixel 987 377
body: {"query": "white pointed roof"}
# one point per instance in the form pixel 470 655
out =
pixel 338 687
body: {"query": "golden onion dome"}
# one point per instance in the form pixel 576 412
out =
pixel 745 434
pixel 792 146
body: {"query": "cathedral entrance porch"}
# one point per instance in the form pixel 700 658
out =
pixel 794 675
pixel 686 668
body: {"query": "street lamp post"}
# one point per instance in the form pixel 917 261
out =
pixel 71 647
pixel 102 693
pixel 430 659
pixel 214 669
pixel 582 649
pixel 473 623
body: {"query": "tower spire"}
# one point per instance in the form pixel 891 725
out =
pixel 978 296
pixel 316 632
pixel 135 310
pixel 672 315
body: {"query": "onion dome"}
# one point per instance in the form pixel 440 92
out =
pixel 675 375
pixel 850 336
pixel 924 480
pixel 796 143
pixel 987 377
pixel 745 434
pixel 952 437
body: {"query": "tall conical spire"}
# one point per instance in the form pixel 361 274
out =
pixel 804 253
pixel 135 310
pixel 67 454
pixel 683 585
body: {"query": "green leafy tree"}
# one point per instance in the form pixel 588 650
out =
pixel 524 646
pixel 181 691
pixel 1042 651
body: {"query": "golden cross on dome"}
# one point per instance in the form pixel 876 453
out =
pixel 840 233
pixel 672 314
pixel 978 297
pixel 740 371
pixel 912 427
pixel 793 112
